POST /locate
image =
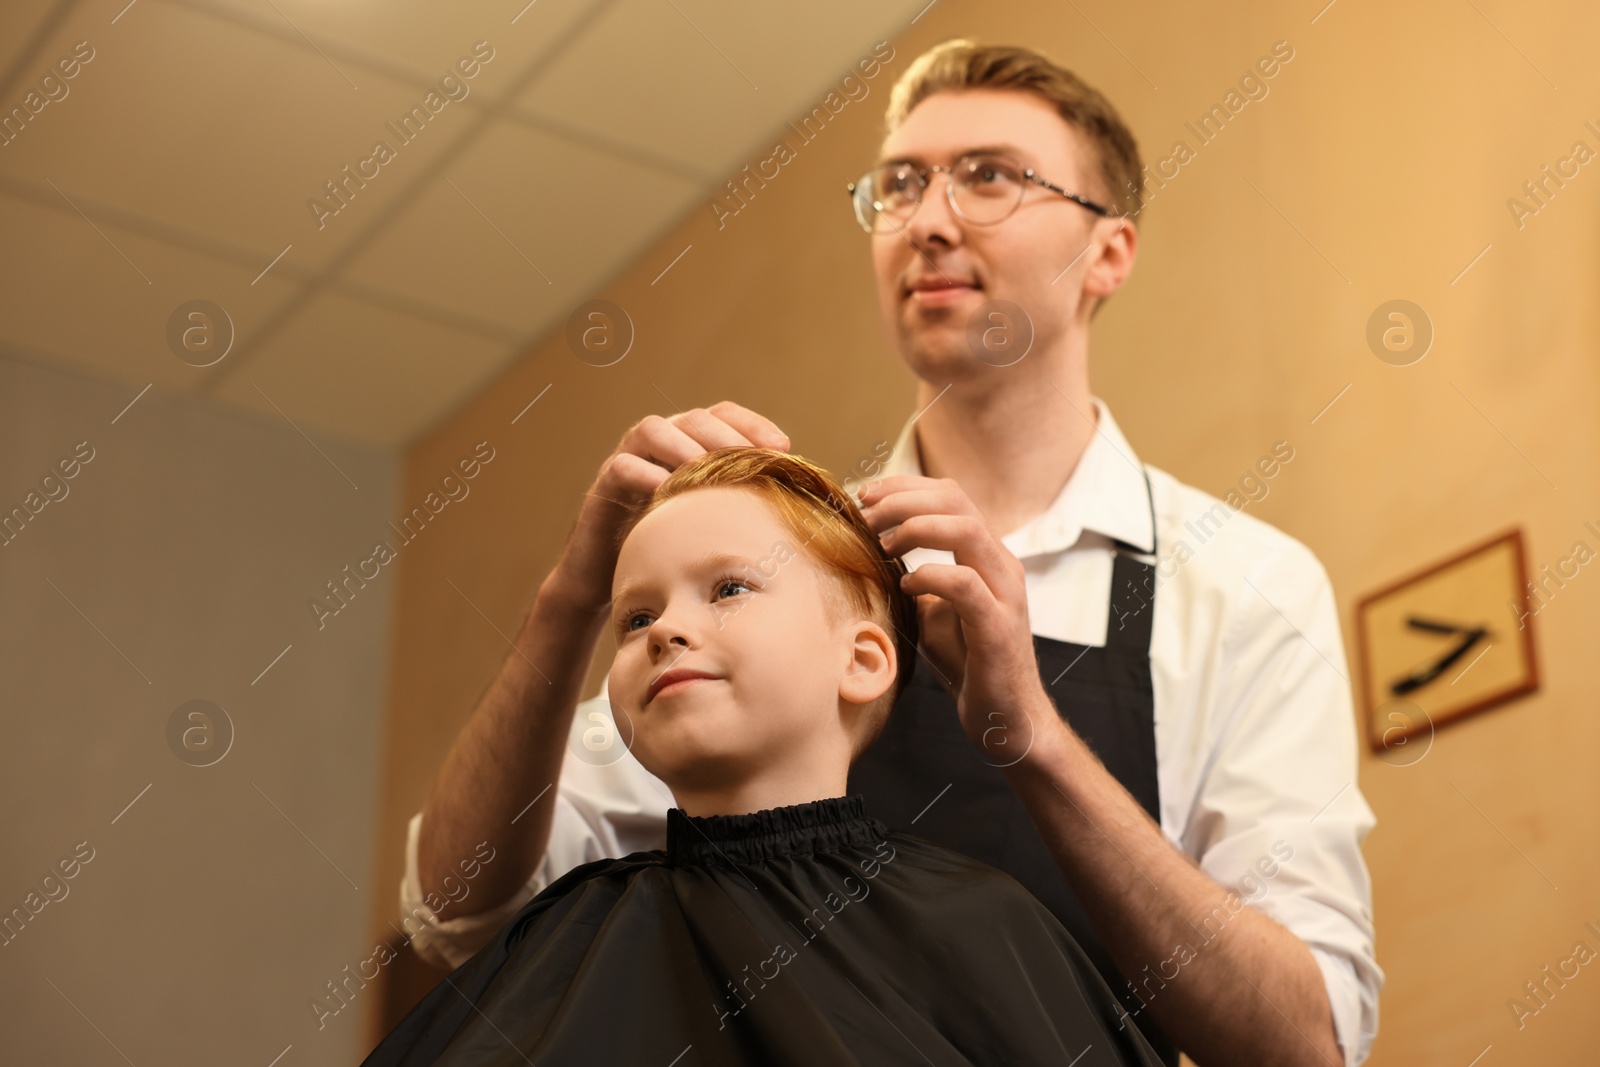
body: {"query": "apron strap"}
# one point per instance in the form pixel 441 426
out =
pixel 1131 612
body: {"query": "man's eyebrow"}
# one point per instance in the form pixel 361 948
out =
pixel 709 562
pixel 993 149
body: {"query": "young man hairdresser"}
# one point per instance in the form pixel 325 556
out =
pixel 1173 754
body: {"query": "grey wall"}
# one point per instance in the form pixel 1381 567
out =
pixel 219 903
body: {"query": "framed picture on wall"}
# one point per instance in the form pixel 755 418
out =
pixel 1448 641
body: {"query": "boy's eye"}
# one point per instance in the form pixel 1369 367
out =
pixel 721 587
pixel 724 583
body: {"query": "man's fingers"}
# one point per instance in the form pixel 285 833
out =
pixel 964 535
pixel 661 441
pixel 885 509
pixel 632 479
pixel 757 429
pixel 664 444
pixel 708 429
pixel 894 483
pixel 672 441
pixel 939 629
pixel 973 601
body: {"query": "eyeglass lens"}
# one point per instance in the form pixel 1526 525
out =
pixel 986 190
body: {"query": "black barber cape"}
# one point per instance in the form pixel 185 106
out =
pixel 809 934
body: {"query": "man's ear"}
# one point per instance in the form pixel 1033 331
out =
pixel 1119 247
pixel 870 670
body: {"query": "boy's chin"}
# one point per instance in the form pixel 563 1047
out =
pixel 697 769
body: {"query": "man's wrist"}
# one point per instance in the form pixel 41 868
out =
pixel 558 593
pixel 1051 740
pixel 560 624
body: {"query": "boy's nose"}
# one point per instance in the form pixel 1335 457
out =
pixel 668 637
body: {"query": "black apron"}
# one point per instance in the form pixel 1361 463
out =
pixel 923 775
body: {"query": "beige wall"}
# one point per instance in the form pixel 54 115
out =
pixel 177 566
pixel 1378 167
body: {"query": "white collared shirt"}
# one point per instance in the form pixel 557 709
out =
pixel 1255 732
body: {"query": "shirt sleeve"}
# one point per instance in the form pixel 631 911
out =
pixel 606 806
pixel 1279 817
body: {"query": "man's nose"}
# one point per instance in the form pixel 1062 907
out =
pixel 933 219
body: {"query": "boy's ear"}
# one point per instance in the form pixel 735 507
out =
pixel 871 668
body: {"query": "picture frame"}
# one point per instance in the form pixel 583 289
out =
pixel 1422 636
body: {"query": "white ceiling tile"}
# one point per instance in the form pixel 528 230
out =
pixel 364 374
pixel 86 305
pixel 422 36
pixel 195 137
pixel 577 215
pixel 214 128
pixel 699 81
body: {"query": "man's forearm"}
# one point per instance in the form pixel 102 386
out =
pixel 507 753
pixel 1247 991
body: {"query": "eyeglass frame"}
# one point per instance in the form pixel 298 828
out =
pixel 950 189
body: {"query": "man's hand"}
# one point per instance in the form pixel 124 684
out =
pixel 651 449
pixel 1142 895
pixel 509 754
pixel 973 614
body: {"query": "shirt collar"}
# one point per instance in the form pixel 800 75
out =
pixel 1105 493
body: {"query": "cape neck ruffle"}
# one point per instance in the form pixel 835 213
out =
pixel 824 825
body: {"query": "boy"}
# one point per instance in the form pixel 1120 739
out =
pixel 762 639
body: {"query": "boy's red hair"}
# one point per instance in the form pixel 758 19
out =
pixel 828 526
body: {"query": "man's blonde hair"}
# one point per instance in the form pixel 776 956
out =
pixel 962 64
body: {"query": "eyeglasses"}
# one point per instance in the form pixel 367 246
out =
pixel 983 188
